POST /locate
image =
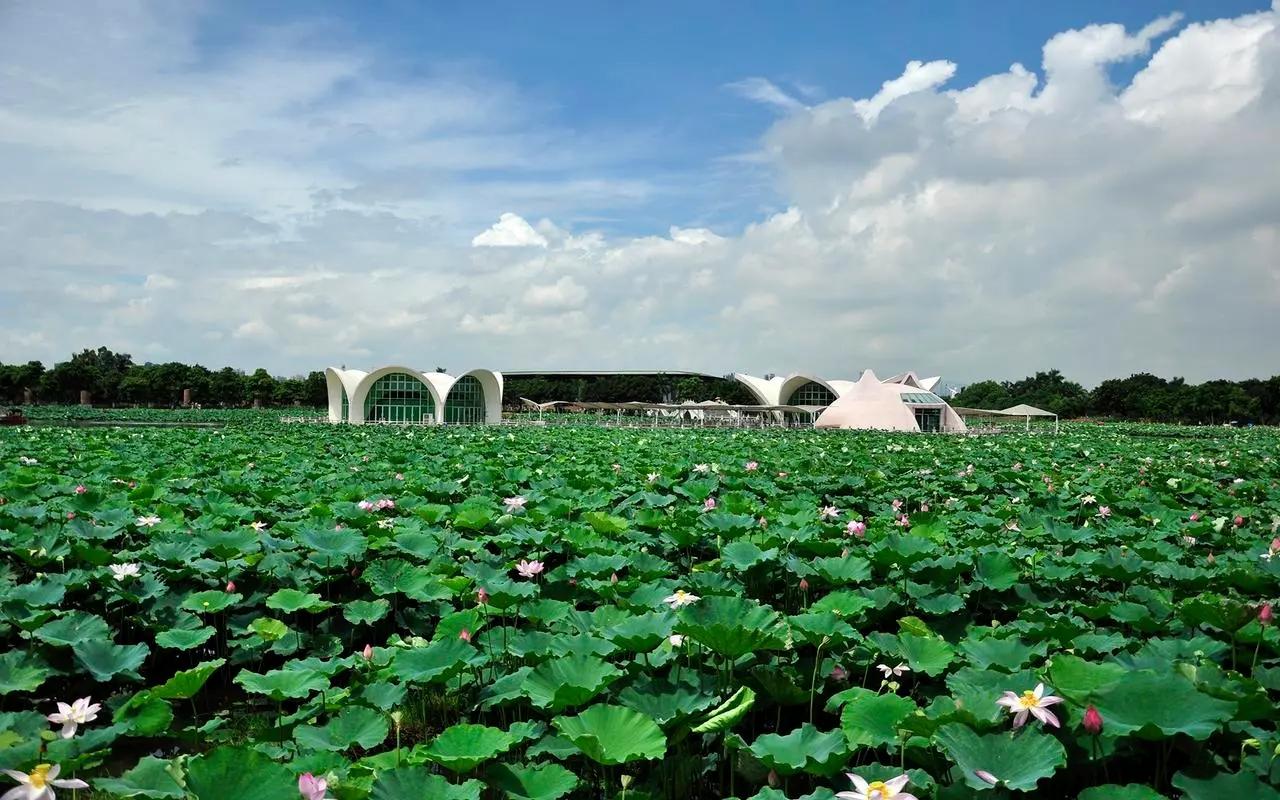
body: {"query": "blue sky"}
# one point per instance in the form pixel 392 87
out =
pixel 757 187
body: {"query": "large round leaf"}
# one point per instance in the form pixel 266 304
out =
pixel 461 748
pixel 544 782
pixel 353 725
pixel 73 627
pixel 570 681
pixel 277 684
pixel 1132 791
pixel 871 720
pixel 1225 786
pixel 1017 760
pixel 806 749
pixel 150 778
pixel 187 683
pixel 105 659
pixel 613 734
pixel 1153 706
pixel 238 772
pixel 733 626
pixel 438 661
pixel 416 783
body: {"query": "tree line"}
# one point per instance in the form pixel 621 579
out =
pixel 113 379
pixel 1138 397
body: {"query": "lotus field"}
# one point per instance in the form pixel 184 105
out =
pixel 274 612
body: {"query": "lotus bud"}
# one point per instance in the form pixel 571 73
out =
pixel 773 778
pixel 1239 521
pixel 1195 516
pixel 613 578
pixel 367 652
pixel 839 673
pixel 804 585
pixel 1265 614
pixel 482 597
pixel 986 777
pixel 464 635
pixel 1210 559
pixel 231 586
pixel 80 489
pixel 71 515
pixel 1092 721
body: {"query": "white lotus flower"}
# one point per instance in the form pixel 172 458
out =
pixel 877 790
pixel 680 599
pixel 514 503
pixel 122 571
pixel 39 784
pixel 676 639
pixel 704 468
pixel 148 521
pixel 894 671
pixel 1034 702
pixel 70 717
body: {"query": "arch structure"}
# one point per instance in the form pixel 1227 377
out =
pixel 397 394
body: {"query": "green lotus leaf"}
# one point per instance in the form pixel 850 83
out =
pixel 105 659
pixel 995 570
pixel 1007 653
pixel 570 681
pixel 438 661
pixel 291 601
pixel 844 604
pixel 928 654
pixel 416 783
pixel 365 612
pixel 733 626
pixel 727 714
pixel 395 575
pixel 73 627
pixel 271 630
pixel 152 778
pixel 613 735
pixel 1225 786
pixel 604 524
pixel 211 601
pixel 1078 680
pixel 186 683
pixel 664 698
pixel 976 691
pixel 22 671
pixel 805 749
pixel 870 719
pixel 338 546
pixel 641 633
pixel 463 747
pixel 384 695
pixel 1153 706
pixel 541 782
pixel 1132 791
pixel 145 714
pixel 178 639
pixel 239 772
pixel 281 683
pixel 473 518
pixel 843 571
pixel 1019 762
pixel 743 555
pixel 353 725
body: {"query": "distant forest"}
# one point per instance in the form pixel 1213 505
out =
pixel 114 379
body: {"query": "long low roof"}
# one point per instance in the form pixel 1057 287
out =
pixel 638 406
pixel 1022 410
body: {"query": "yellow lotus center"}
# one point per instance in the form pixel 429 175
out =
pixel 877 790
pixel 1029 700
pixel 37 778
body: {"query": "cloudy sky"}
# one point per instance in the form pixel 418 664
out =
pixel 972 190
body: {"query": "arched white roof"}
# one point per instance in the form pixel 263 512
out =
pixel 765 391
pixel 491 383
pixel 929 384
pixel 869 405
pixel 797 379
pixel 432 380
pixel 336 381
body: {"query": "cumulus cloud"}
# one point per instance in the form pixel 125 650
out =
pixel 1041 216
pixel 511 230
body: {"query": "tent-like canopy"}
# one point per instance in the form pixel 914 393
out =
pixel 1021 410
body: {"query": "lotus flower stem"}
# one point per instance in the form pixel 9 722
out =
pixel 813 679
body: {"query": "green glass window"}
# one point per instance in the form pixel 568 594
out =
pixel 810 394
pixel 921 397
pixel 399 397
pixel 465 403
pixel 929 419
pixel 346 406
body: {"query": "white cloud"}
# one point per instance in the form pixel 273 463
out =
pixel 510 230
pixel 1030 219
pixel 765 91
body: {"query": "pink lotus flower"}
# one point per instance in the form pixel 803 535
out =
pixel 365 505
pixel 1239 521
pixel 367 652
pixel 529 569
pixel 80 489
pixel 829 512
pixel 751 466
pixel 1265 614
pixel 804 585
pixel 385 504
pixel 311 787
pixel 514 503
pixel 71 515
pixel 1034 702
pixel 231 586
pixel 839 673
pixel 897 505
pixel 482 597
pixel 877 790
pixel 904 521
pixel 709 504
pixel 464 635
pixel 1195 516
pixel 1092 721
pixel 1104 511
pixel 856 527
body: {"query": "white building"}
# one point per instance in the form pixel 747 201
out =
pixel 399 394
